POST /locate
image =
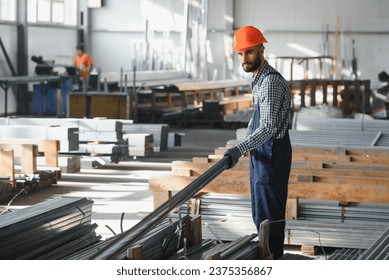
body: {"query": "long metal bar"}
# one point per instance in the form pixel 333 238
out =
pixel 379 134
pixel 132 235
pixel 379 250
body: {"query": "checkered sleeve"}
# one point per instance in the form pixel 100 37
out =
pixel 270 98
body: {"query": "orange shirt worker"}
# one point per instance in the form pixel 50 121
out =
pixel 83 61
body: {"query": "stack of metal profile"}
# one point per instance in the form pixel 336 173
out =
pixel 242 248
pixel 164 240
pixel 195 252
pixel 339 138
pixel 310 122
pixel 352 213
pixel 35 231
pixel 160 133
pixel 88 129
pixel 346 254
pixel 226 217
pixel 85 136
pixel 159 243
pixel 379 250
pixel 369 131
pixel 332 234
pixel 66 135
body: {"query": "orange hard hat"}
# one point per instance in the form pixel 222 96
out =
pixel 247 37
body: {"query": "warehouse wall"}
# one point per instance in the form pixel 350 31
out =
pixel 116 36
pixel 127 33
pixel 295 28
pixel 220 29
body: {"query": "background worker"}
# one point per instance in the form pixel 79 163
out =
pixel 267 137
pixel 84 62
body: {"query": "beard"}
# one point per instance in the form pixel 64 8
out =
pixel 250 67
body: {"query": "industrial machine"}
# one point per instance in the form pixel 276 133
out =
pixel 50 97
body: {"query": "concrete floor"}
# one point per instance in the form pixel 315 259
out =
pixel 122 188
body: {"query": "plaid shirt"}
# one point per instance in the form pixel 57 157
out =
pixel 271 94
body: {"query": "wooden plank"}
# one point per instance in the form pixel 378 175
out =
pixel 7 168
pixel 161 196
pixel 28 158
pixel 341 172
pixel 297 190
pixel 50 148
pixel 354 166
pixel 291 208
pixel 233 185
pixel 134 253
pixel 313 168
pixel 27 153
pixel 339 192
pixel 318 156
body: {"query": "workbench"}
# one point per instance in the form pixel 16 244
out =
pixel 7 82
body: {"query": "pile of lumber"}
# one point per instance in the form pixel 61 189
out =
pixel 115 138
pixel 229 108
pixel 347 175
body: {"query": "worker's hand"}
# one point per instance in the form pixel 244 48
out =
pixel 234 155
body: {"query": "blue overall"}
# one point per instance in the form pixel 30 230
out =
pixel 269 173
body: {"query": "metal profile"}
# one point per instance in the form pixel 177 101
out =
pixel 35 230
pixel 132 235
pixel 379 250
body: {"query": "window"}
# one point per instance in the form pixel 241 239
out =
pixel 52 11
pixel 7 10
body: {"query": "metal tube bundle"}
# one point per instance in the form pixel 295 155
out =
pixel 38 229
pixel 120 244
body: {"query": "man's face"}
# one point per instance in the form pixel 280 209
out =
pixel 251 59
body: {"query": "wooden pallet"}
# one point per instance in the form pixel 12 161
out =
pixel 319 174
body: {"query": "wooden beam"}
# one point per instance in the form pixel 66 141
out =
pixel 161 196
pixel 50 148
pixel 195 232
pixel 337 191
pixel 135 252
pixel 28 158
pixel 233 185
pixel 264 251
pixel 185 168
pixel 291 208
